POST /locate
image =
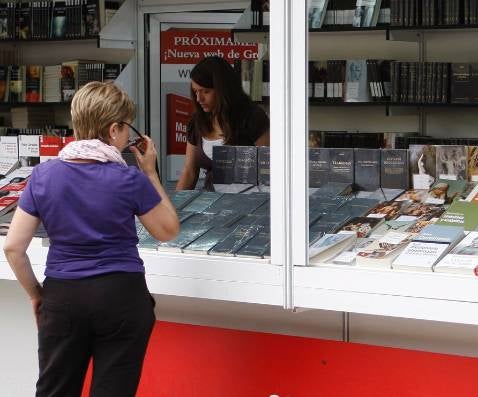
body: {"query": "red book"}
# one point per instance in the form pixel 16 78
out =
pixel 50 146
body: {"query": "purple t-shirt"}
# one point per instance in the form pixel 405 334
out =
pixel 88 211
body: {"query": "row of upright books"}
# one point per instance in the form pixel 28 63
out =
pixel 433 12
pixel 31 150
pixel 55 83
pixel 68 19
pixel 366 80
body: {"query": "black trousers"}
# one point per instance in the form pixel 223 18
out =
pixel 108 318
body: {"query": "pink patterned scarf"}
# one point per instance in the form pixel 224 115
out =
pixel 91 149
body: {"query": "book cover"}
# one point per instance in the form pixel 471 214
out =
pixel 16 78
pixel 50 146
pixel 367 169
pixel 4 83
pixel 7 165
pixel 451 161
pixel 9 147
pixel 111 72
pixel 263 166
pixel 362 226
pixel 92 18
pixel 461 84
pixel 203 201
pixel 387 209
pixel 68 82
pixel 461 213
pixel 445 191
pixel 29 149
pixel 422 163
pixel 384 250
pixel 356 81
pixel 319 166
pixel 234 241
pixel 58 20
pixel 208 240
pixel 245 168
pixel 462 259
pixel 423 211
pixel 34 83
pixel 182 198
pixel 472 158
pixel 394 169
pixel 329 245
pixel 366 13
pixel 317 10
pixel 186 236
pixel 256 247
pixel 223 164
pixel 341 165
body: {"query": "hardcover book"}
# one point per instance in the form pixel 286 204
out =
pixel 366 13
pixel 356 81
pixel 317 10
pixel 462 259
pixel 433 242
pixel 58 20
pixel 446 191
pixel 186 236
pixel 34 83
pixel 319 166
pixel 245 168
pixel 472 163
pixel 451 162
pixel 223 164
pixel 233 242
pixel 263 165
pixel 394 169
pixel 203 201
pixel 422 162
pixel 367 169
pixel 256 247
pixel 182 198
pixel 341 165
pixel 208 240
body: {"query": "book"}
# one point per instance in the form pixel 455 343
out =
pixel 7 165
pixel 462 259
pixel 58 19
pixel 394 169
pixel 362 226
pixel 329 245
pixel 235 240
pixel 187 234
pixel 446 191
pixel 451 162
pixel 422 211
pixel 472 163
pixel 182 198
pixel 203 201
pixel 401 224
pixel 263 166
pixel 34 83
pixel 428 247
pixel 245 167
pixel 92 18
pixel 383 251
pixel 387 210
pixel 256 247
pixel 461 213
pixel 317 11
pixel 223 164
pixel 422 162
pixel 208 240
pixel 29 149
pixel 341 165
pixel 367 169
pixel 356 81
pixel 366 13
pixel 319 166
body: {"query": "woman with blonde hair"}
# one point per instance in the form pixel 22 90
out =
pixel 94 303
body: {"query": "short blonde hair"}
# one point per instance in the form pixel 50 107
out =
pixel 96 106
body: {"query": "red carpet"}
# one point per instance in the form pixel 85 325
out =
pixel 196 361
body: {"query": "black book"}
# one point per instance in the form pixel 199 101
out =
pixel 4 13
pixel 367 169
pixel 245 169
pixel 394 169
pixel 341 165
pixel 461 84
pixel 182 198
pixel 111 72
pixel 207 241
pixel 319 166
pixel 233 242
pixel 257 246
pixel 58 20
pixel 223 163
pixel 92 18
pixel 23 22
pixel 263 166
pixel 203 201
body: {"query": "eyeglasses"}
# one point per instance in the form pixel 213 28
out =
pixel 136 139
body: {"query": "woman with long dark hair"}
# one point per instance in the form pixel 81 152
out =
pixel 223 115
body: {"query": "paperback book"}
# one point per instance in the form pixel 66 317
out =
pixel 463 259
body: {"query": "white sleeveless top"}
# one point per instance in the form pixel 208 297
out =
pixel 207 145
